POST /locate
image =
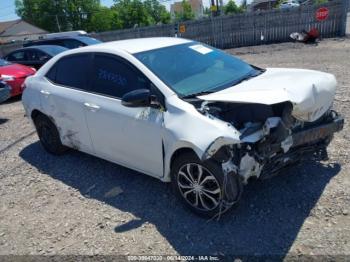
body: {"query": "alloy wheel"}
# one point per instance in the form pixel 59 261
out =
pixel 199 186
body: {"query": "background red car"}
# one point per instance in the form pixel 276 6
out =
pixel 14 75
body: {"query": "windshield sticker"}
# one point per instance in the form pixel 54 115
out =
pixel 201 49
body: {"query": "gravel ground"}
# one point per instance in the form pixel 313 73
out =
pixel 79 204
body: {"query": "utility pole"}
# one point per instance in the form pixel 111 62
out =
pixel 57 22
pixel 221 7
pixel 213 8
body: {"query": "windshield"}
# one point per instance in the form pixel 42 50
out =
pixel 89 40
pixel 194 68
pixel 4 62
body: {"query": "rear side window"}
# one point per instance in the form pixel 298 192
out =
pixel 71 71
pixel 17 56
pixel 114 77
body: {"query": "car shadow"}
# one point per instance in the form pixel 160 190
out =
pixel 266 222
pixel 3 120
pixel 12 100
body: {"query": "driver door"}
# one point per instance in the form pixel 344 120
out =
pixel 129 136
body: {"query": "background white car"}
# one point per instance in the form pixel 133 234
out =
pixel 289 4
pixel 182 112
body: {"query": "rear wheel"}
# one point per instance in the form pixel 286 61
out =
pixel 203 187
pixel 48 135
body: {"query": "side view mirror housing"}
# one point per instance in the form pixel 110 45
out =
pixel 138 98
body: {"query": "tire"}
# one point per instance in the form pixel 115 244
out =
pixel 48 135
pixel 194 189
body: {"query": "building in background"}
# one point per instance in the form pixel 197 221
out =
pixel 196 5
pixel 18 30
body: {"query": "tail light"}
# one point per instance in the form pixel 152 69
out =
pixel 7 78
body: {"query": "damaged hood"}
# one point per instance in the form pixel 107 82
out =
pixel 310 92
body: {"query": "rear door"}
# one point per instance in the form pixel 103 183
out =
pixel 63 96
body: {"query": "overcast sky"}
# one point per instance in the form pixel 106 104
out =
pixel 7 7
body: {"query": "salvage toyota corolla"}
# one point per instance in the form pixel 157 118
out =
pixel 183 112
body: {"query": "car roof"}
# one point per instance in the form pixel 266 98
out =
pixel 138 45
pixel 80 38
pixel 45 48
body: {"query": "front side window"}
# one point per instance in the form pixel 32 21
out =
pixel 114 77
pixel 34 55
pixel 194 68
pixel 72 71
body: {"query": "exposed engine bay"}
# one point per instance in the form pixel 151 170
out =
pixel 271 138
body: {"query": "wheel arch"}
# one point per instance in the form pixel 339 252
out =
pixel 35 113
pixel 176 150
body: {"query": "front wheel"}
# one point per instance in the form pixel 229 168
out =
pixel 203 187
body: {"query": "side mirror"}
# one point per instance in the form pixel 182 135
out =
pixel 137 98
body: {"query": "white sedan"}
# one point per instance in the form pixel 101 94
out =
pixel 289 4
pixel 182 112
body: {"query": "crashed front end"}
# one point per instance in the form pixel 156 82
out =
pixel 273 136
pixel 276 144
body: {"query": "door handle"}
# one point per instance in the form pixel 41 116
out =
pixel 44 92
pixel 92 107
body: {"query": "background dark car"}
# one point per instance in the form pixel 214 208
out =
pixel 34 56
pixel 5 91
pixel 70 42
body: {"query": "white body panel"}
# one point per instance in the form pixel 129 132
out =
pixel 311 92
pixel 145 139
pixel 64 106
pixel 123 135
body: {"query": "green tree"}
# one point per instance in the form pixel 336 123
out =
pixel 231 8
pixel 54 15
pixel 207 11
pixel 132 13
pixel 243 6
pixel 157 11
pixel 105 19
pixel 41 13
pixel 186 14
pixel 89 15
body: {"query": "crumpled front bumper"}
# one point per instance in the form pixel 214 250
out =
pixel 311 141
pixel 318 132
pixel 305 136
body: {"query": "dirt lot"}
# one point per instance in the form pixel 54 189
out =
pixel 79 204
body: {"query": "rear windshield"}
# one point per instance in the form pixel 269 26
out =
pixel 89 40
pixel 52 49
